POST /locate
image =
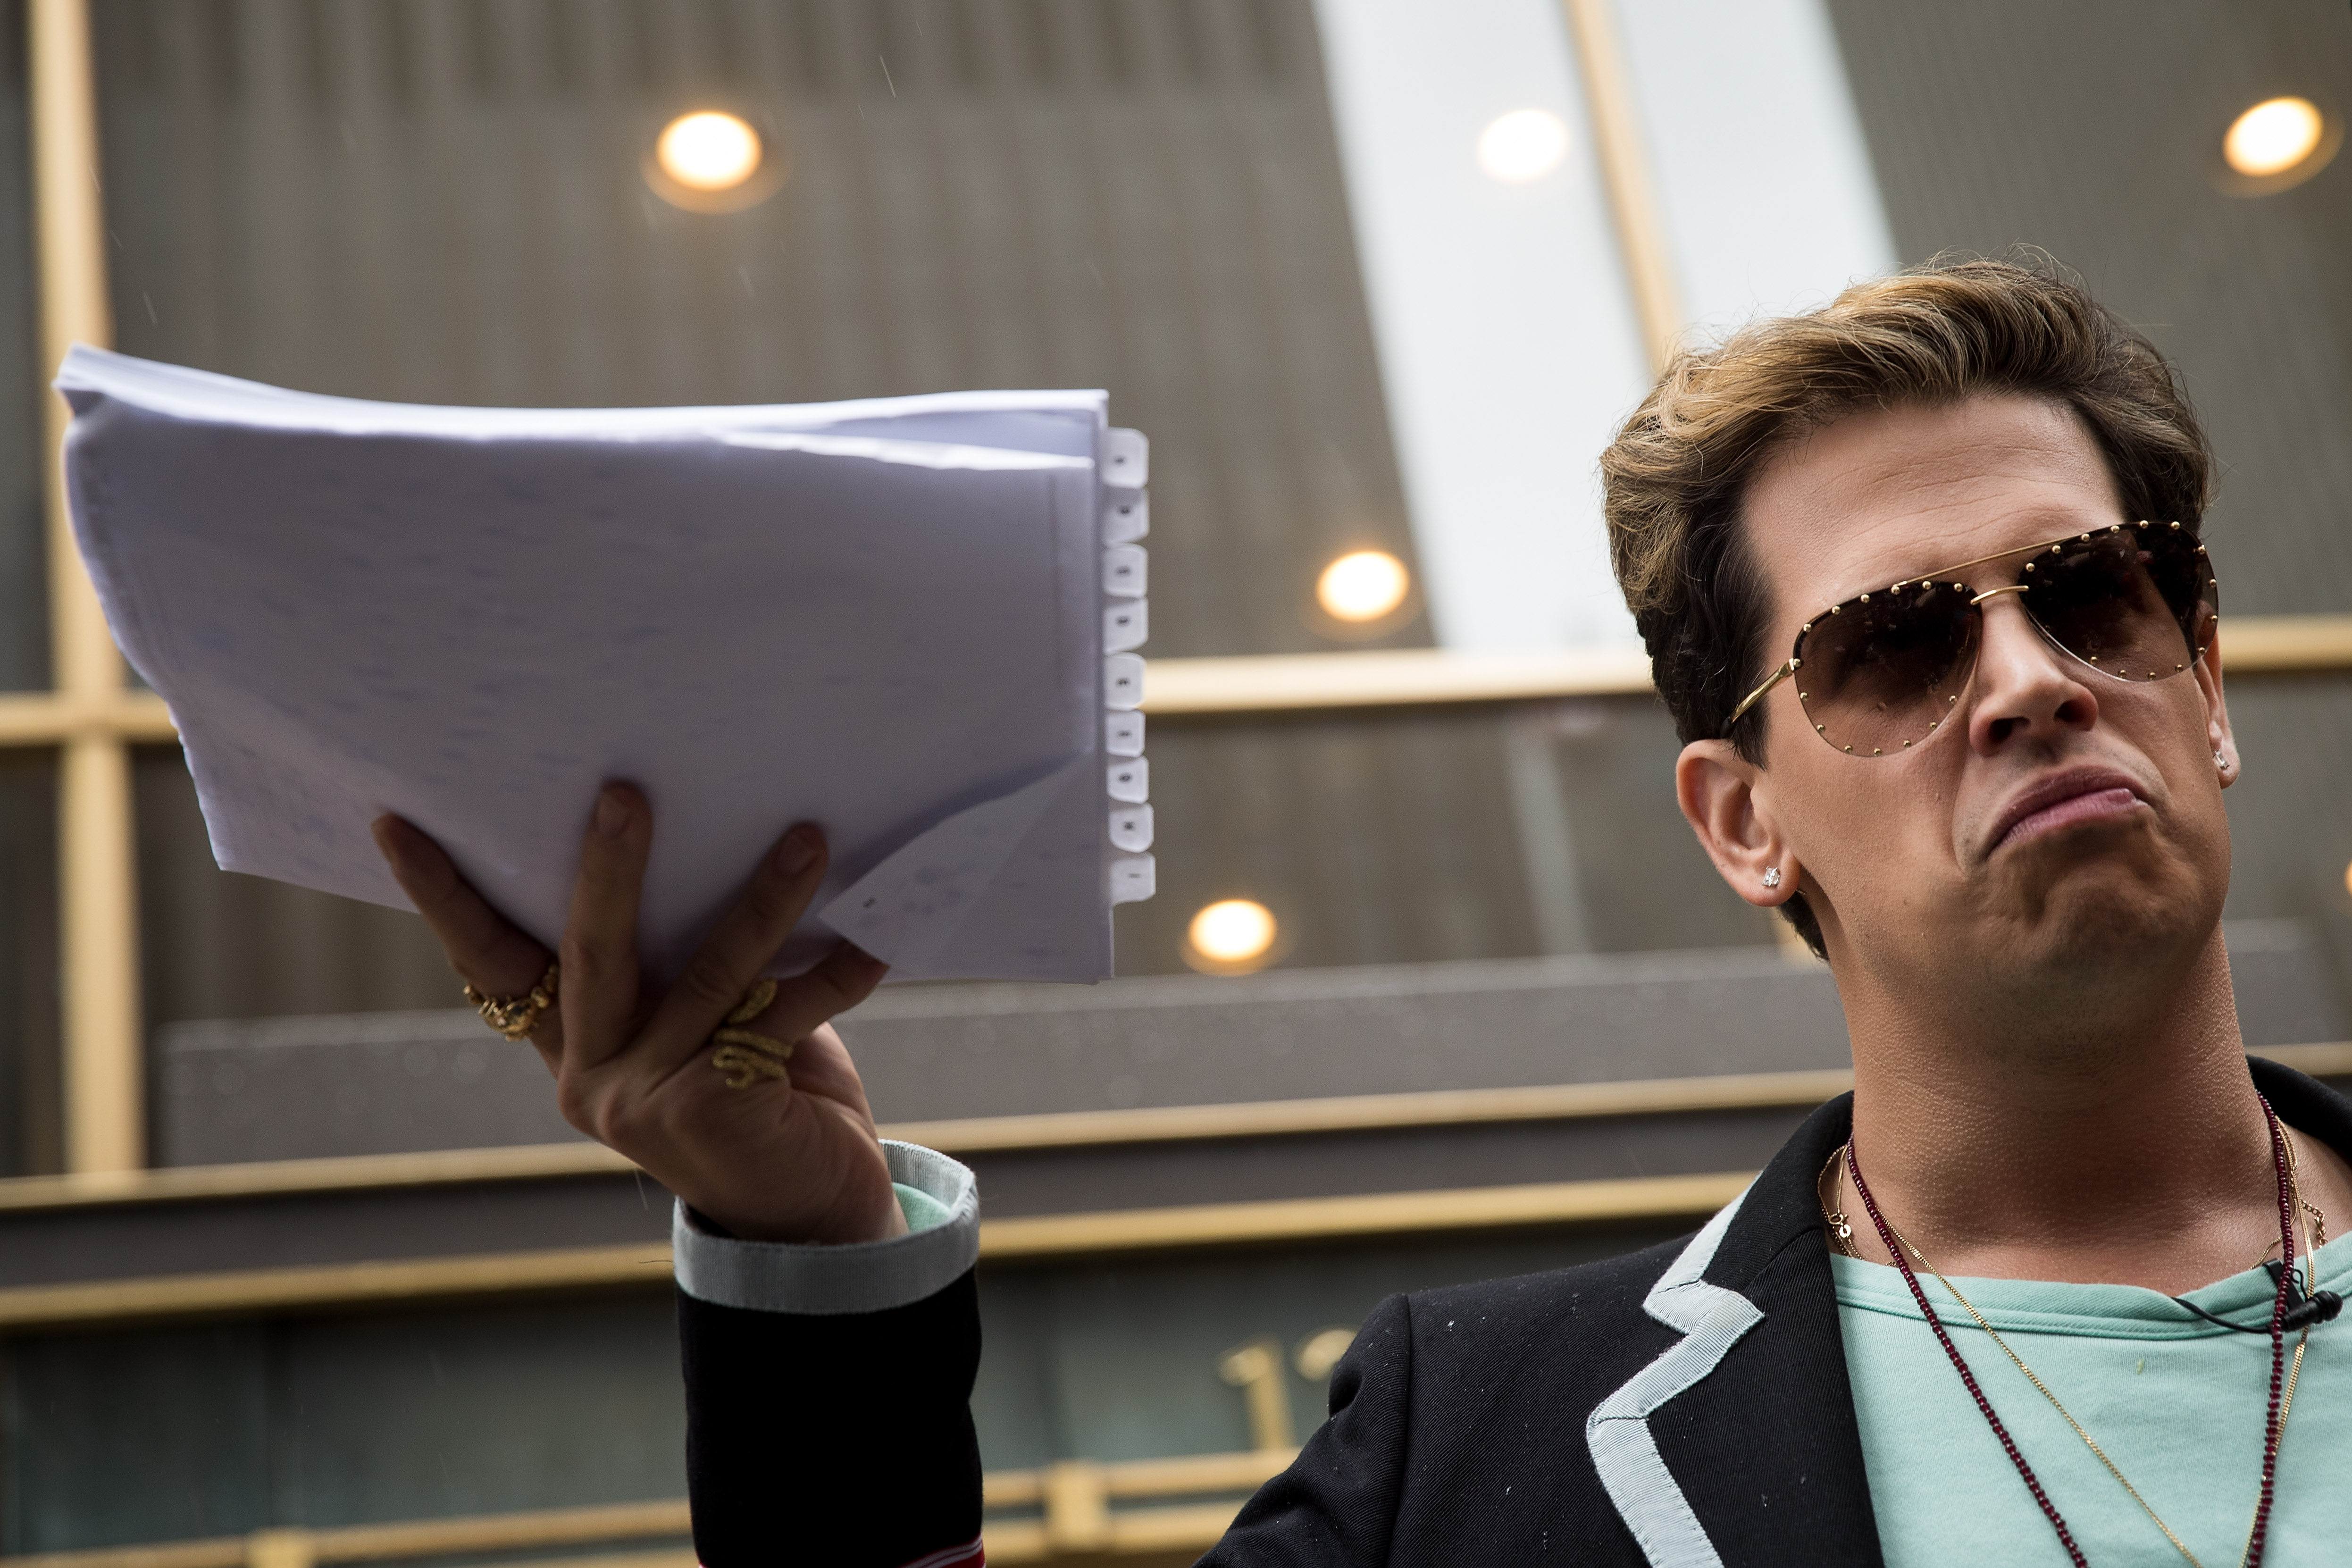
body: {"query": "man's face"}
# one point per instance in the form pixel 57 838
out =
pixel 2064 827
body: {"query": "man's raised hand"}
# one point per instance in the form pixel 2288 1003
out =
pixel 790 1159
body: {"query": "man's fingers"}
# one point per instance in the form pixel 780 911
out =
pixel 731 957
pixel 600 936
pixel 492 955
pixel 819 1064
pixel 485 948
pixel 843 979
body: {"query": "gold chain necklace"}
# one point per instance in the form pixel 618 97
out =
pixel 1841 1233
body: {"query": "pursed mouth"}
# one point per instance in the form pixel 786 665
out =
pixel 2069 800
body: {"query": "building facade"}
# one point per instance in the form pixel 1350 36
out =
pixel 292 1251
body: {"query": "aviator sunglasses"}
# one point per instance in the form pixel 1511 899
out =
pixel 1879 673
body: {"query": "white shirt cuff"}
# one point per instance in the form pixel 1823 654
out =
pixel 853 1277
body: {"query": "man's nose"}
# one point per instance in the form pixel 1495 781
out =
pixel 2026 688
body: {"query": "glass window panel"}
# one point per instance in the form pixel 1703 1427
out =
pixel 449 203
pixel 398 199
pixel 200 1430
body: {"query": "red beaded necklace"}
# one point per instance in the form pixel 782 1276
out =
pixel 2278 1351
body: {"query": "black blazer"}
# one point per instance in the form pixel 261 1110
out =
pixel 1686 1405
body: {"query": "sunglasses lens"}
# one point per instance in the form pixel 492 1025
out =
pixel 1876 676
pixel 2136 605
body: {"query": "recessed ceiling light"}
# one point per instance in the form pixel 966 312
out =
pixel 2276 145
pixel 708 151
pixel 1231 936
pixel 1525 144
pixel 2272 138
pixel 1362 585
pixel 713 161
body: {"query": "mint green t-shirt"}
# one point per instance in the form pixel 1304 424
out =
pixel 2178 1403
pixel 922 1210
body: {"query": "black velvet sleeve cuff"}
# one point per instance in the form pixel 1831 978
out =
pixel 841 1439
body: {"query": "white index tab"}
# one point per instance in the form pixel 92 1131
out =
pixel 1123 734
pixel 1126 517
pixel 1131 828
pixel 1124 570
pixel 1127 626
pixel 1130 781
pixel 1131 880
pixel 1127 460
pixel 1123 682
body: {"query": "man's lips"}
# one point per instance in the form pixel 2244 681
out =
pixel 2091 795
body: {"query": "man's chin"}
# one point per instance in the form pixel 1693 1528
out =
pixel 2109 915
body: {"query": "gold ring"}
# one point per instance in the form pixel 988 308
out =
pixel 517 1016
pixel 746 1058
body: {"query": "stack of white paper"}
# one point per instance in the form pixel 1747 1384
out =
pixel 909 620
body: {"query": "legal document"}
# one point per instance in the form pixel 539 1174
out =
pixel 911 621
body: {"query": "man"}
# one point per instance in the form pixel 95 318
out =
pixel 1984 779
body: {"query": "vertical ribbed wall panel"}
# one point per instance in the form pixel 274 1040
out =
pixel 23 559
pixel 441 200
pixel 2093 129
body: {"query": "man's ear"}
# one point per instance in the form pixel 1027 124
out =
pixel 2216 712
pixel 1716 787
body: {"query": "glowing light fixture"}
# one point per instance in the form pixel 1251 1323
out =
pixel 2274 136
pixel 712 162
pixel 1232 936
pixel 2275 146
pixel 1525 144
pixel 709 151
pixel 1362 585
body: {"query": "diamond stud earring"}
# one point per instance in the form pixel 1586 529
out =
pixel 1771 876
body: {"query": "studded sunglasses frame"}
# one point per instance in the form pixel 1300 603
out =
pixel 2208 585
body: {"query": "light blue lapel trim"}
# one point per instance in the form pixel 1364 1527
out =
pixel 1711 1320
